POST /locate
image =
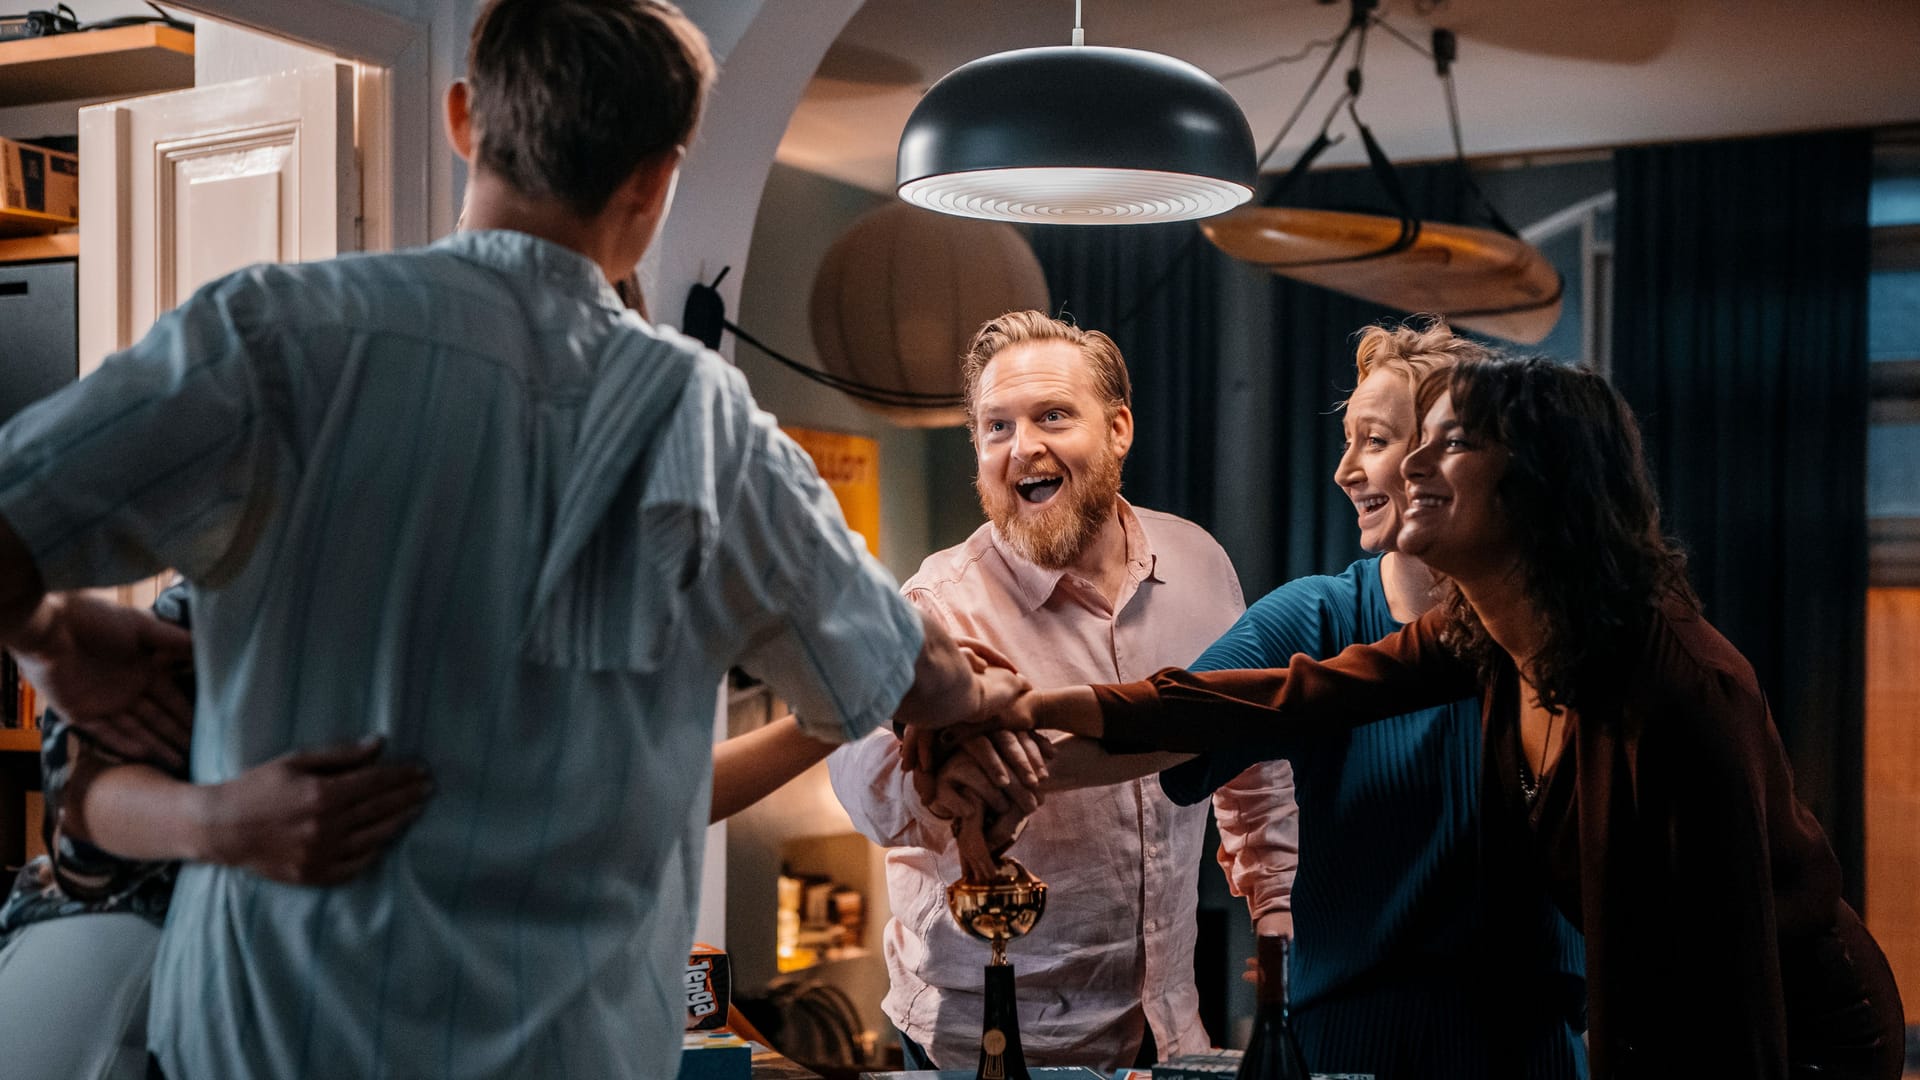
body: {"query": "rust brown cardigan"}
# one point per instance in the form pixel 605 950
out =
pixel 1708 895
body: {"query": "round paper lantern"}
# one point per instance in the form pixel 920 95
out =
pixel 901 292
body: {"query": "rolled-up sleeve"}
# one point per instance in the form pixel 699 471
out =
pixel 831 632
pixel 871 781
pixel 1260 836
pixel 154 460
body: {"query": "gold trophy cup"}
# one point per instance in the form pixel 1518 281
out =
pixel 996 912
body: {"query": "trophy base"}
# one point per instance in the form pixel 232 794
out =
pixel 1000 1055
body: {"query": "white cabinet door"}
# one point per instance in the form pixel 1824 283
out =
pixel 177 189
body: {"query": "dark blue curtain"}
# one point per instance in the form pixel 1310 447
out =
pixel 1740 338
pixel 1151 288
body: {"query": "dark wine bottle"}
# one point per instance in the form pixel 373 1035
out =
pixel 1000 1055
pixel 1274 1052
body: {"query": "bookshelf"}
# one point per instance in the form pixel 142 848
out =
pixel 118 62
pixel 123 61
pixel 33 248
pixel 19 779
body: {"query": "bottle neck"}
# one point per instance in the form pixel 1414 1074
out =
pixel 1274 953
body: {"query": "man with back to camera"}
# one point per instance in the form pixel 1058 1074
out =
pixel 1070 581
pixel 461 498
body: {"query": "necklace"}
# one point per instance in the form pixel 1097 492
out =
pixel 1529 783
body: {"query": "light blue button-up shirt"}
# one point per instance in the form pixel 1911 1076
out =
pixel 460 497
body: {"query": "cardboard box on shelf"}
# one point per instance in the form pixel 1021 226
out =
pixel 39 189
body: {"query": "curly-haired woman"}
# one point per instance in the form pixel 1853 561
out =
pixel 1628 755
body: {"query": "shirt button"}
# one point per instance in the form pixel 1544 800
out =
pixel 1153 851
pixel 1152 925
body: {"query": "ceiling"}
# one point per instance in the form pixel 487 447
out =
pixel 1532 75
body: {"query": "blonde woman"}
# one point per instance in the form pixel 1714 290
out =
pixel 1392 942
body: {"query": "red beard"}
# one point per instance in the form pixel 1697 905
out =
pixel 1056 535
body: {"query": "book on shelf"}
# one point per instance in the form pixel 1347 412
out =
pixel 19 701
pixel 29 705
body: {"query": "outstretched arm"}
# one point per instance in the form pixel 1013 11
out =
pixel 1081 762
pixel 750 767
pixel 1190 712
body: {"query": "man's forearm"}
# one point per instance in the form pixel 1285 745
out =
pixel 942 680
pixel 139 812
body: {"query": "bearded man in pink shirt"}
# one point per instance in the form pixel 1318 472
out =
pixel 1071 584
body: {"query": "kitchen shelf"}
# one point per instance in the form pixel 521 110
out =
pixel 32 248
pixel 120 62
pixel 791 965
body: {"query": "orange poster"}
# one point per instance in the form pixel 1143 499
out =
pixel 850 464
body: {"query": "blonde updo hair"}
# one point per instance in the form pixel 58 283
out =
pixel 1412 350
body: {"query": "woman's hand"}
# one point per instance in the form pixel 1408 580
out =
pixel 111 670
pixel 999 771
pixel 312 817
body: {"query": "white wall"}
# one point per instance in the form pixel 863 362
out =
pixel 800 215
pixel 226 53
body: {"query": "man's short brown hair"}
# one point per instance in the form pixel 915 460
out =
pixel 568 97
pixel 1103 358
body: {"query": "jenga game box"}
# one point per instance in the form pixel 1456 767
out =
pixel 709 988
pixel 39 189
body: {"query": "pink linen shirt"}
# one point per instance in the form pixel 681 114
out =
pixel 1115 948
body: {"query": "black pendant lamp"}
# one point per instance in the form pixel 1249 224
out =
pixel 1077 135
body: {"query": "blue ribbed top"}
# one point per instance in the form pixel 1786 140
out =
pixel 1389 885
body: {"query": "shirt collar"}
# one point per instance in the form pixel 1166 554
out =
pixel 525 255
pixel 1036 583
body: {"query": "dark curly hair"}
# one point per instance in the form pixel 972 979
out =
pixel 1585 517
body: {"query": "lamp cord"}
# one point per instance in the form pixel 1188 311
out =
pixel 1460 155
pixel 878 395
pixel 1290 58
pixel 1442 54
pixel 160 18
pixel 1339 46
pixel 1381 22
